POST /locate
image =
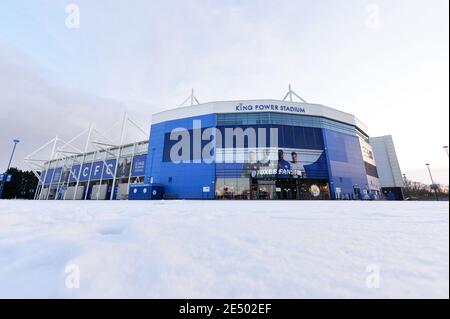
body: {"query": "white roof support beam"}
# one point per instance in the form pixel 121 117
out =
pixel 291 94
pixel 191 98
pixel 143 131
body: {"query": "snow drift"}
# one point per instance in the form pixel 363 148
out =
pixel 212 249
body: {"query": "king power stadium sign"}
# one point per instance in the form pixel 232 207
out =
pixel 269 107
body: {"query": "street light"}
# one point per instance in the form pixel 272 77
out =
pixel 432 182
pixel 4 176
pixel 446 149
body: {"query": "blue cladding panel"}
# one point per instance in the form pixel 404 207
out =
pixel 184 180
pixel 346 164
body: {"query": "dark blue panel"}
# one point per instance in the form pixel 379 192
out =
pixel 168 144
pixel 288 136
pixel 146 192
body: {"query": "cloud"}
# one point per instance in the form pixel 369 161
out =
pixel 34 110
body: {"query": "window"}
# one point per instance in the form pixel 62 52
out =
pixel 284 119
pixel 233 188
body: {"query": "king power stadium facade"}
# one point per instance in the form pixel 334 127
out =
pixel 248 150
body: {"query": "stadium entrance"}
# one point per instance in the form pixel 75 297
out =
pixel 290 189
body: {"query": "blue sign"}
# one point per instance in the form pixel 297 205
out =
pixel 138 168
pixel 9 178
pixel 89 171
pixel 96 171
pixel 111 167
pixel 101 171
pixel 74 171
pixel 85 172
pixel 56 175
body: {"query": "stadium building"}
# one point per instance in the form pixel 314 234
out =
pixel 247 150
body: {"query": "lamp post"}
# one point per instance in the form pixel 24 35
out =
pixel 4 176
pixel 446 149
pixel 432 182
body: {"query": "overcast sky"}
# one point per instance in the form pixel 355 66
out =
pixel 387 62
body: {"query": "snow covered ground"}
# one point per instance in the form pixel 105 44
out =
pixel 210 249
